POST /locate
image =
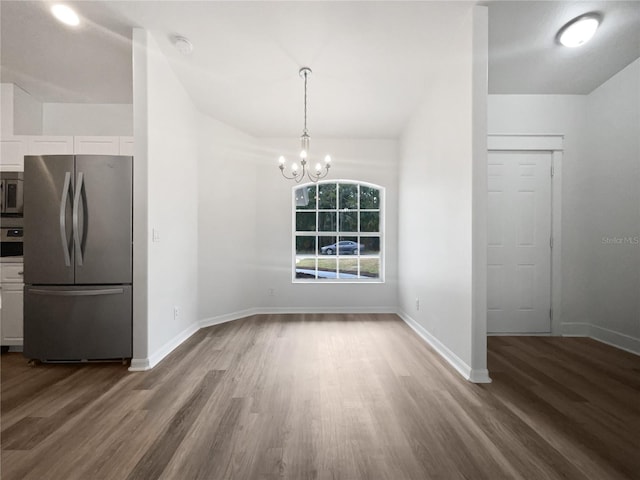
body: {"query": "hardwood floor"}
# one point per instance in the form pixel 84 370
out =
pixel 326 397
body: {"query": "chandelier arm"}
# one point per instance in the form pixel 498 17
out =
pixel 293 177
pixel 314 177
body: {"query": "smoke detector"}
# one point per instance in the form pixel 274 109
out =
pixel 182 44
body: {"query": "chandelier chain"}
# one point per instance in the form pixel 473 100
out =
pixel 305 103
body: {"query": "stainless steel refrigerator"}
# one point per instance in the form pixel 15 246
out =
pixel 78 257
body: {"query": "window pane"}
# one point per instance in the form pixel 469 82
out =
pixel 305 268
pixel 349 246
pixel 327 196
pixel 327 245
pixel 327 221
pixel 305 221
pixel 370 267
pixel 306 198
pixel 348 268
pixel 369 198
pixel 348 196
pixel 348 221
pixel 327 267
pixel 371 245
pixel 306 245
pixel 369 221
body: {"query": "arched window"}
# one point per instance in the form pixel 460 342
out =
pixel 338 232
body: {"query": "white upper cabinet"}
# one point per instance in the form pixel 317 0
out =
pixel 96 145
pixel 14 148
pixel 126 146
pixel 50 145
pixel 12 152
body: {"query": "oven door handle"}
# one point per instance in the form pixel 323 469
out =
pixel 63 218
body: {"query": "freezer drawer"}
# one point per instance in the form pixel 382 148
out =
pixel 77 323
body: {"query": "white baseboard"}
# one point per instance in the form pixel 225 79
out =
pixel 518 334
pixel 479 376
pixel 473 375
pixel 227 317
pixel 142 364
pixel 615 339
pixel 610 337
pixel 139 365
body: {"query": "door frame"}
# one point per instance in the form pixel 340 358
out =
pixel 554 144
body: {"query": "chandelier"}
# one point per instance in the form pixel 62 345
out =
pixel 298 172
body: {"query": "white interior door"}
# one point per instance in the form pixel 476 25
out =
pixel 519 242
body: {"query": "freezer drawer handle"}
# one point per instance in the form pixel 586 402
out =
pixel 63 219
pixel 77 293
pixel 76 230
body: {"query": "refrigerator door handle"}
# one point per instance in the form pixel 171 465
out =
pixel 77 293
pixel 76 229
pixel 63 218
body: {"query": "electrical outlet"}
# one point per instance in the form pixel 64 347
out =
pixel 176 313
pixel 272 292
pixel 156 235
pixel 417 304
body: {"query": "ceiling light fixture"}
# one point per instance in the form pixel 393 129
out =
pixel 320 170
pixel 66 15
pixel 579 30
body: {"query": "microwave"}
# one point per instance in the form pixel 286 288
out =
pixel 11 193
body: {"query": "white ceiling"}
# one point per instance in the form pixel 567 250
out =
pixel 372 61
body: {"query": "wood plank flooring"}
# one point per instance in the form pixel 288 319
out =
pixel 326 397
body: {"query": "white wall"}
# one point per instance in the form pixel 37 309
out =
pixel 373 161
pixel 436 206
pixel 611 245
pixel 6 109
pixel 171 135
pixel 227 232
pixel 87 119
pixel 600 199
pixel 21 113
pixel 27 113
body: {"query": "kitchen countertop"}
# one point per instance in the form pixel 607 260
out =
pixel 11 260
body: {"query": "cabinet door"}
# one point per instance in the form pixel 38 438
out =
pixel 50 145
pixel 12 273
pixel 12 327
pixel 96 145
pixel 12 152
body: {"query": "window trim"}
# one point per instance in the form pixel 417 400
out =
pixel 380 233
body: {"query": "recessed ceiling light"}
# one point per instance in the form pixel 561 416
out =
pixel 579 30
pixel 182 44
pixel 66 15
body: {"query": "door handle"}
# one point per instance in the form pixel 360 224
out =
pixel 77 293
pixel 76 230
pixel 63 219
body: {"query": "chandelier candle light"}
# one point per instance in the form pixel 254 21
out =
pixel 296 174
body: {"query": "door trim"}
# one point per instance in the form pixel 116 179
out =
pixel 553 143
